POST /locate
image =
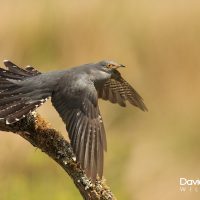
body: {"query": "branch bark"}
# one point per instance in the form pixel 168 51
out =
pixel 39 133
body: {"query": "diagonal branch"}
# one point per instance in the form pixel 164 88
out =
pixel 35 130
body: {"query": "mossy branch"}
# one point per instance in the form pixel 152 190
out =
pixel 39 133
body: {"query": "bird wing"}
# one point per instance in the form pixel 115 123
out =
pixel 78 107
pixel 117 90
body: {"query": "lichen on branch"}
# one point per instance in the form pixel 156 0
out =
pixel 41 135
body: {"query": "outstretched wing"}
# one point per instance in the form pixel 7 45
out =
pixel 76 102
pixel 117 90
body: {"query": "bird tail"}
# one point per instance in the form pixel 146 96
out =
pixel 16 101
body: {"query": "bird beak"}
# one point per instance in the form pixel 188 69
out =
pixel 122 65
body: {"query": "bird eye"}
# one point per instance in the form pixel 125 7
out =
pixel 110 65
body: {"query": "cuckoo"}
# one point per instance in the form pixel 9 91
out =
pixel 74 93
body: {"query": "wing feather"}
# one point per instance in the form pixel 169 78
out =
pixel 79 110
pixel 117 90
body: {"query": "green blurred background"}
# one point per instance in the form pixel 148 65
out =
pixel 159 41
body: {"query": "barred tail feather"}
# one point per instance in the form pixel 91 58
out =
pixel 15 101
pixel 20 112
pixel 27 72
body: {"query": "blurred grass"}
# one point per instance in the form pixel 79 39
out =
pixel 159 41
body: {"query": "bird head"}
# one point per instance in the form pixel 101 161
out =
pixel 110 65
pixel 103 70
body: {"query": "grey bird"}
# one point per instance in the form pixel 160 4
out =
pixel 74 94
